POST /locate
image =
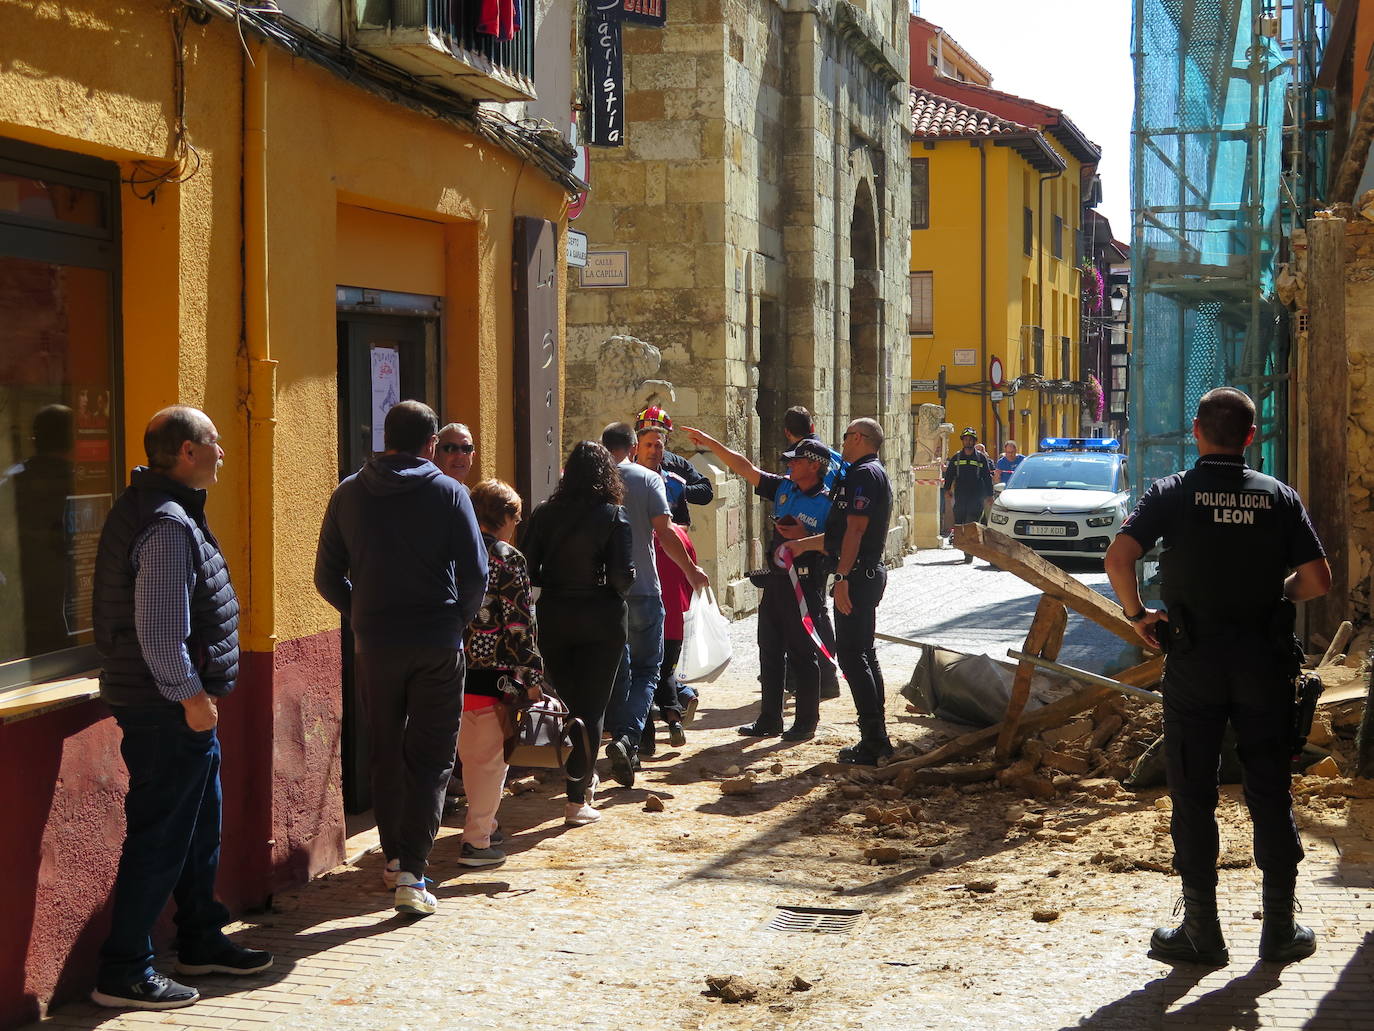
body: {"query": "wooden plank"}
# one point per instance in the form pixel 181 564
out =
pixel 1046 634
pixel 1014 557
pixel 1146 674
pixel 1343 634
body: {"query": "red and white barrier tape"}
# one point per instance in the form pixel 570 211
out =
pixel 784 559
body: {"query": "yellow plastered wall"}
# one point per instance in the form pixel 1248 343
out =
pixel 366 189
pixel 355 187
pixel 1021 290
pixel 70 81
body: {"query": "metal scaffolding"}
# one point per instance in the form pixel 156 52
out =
pixel 1207 145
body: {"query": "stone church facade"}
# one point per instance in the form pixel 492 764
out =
pixel 763 202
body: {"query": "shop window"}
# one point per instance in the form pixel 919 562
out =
pixel 920 193
pixel 60 449
pixel 922 286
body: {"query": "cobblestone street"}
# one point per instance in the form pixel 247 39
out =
pixel 618 925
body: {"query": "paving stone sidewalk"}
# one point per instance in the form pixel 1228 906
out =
pixel 618 925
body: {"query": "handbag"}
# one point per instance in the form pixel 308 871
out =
pixel 545 733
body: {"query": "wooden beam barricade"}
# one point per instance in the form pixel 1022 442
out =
pixel 1044 640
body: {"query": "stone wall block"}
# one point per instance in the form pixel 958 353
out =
pixel 666 141
pixel 692 39
pixel 644 106
pixel 696 181
pixel 641 39
pixel 587 306
pixel 661 71
pixel 672 265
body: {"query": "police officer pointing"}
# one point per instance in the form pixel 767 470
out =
pixel 1239 549
pixel 800 506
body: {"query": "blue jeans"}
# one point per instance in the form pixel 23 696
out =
pixel 171 845
pixel 637 677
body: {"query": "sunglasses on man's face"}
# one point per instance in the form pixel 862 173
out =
pixel 466 449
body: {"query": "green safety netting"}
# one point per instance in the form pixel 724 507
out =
pixel 1206 163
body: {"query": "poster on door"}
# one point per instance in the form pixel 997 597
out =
pixel 386 390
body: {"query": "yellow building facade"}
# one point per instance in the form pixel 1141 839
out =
pixel 188 215
pixel 994 281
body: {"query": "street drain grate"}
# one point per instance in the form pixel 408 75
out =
pixel 814 919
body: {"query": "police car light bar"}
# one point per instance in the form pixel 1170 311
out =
pixel 1080 444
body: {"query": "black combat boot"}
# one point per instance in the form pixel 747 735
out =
pixel 1198 939
pixel 1283 939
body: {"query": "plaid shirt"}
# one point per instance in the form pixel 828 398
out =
pixel 164 558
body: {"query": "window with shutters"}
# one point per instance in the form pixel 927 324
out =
pixel 922 286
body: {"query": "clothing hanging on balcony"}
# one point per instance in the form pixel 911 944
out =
pixel 499 18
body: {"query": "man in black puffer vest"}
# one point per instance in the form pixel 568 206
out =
pixel 166 623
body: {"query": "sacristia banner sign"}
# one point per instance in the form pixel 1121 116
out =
pixel 605 76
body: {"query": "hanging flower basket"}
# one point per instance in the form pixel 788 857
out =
pixel 1094 288
pixel 1094 400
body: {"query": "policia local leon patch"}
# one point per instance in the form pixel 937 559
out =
pixel 1232 506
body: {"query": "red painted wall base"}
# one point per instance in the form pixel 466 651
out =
pixel 63 784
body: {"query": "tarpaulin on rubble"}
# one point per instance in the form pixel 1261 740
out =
pixel 970 689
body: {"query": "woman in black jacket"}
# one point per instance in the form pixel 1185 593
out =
pixel 578 548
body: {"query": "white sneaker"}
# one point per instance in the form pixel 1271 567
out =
pixel 592 787
pixel 412 897
pixel 575 815
pixel 390 872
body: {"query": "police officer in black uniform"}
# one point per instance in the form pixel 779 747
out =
pixel 1239 549
pixel 855 534
pixel 968 481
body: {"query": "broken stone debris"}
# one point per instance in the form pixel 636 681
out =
pixel 731 988
pixel 738 785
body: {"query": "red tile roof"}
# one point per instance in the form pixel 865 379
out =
pixel 934 116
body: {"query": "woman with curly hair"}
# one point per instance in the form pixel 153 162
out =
pixel 578 547
pixel 503 664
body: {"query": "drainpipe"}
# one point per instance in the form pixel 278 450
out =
pixel 1040 276
pixel 983 276
pixel 260 397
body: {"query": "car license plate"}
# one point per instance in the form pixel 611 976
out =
pixel 1047 531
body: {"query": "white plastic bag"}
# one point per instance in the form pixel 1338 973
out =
pixel 705 638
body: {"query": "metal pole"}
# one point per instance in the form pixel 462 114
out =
pixel 1095 679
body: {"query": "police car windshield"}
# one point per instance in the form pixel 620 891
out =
pixel 1066 470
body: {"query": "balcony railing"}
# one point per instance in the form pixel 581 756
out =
pixel 438 41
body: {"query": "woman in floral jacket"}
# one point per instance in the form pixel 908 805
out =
pixel 503 662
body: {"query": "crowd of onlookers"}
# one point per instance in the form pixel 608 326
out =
pixel 451 651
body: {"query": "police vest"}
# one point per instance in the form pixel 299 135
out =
pixel 808 509
pixel 1224 550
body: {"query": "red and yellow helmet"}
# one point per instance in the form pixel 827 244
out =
pixel 653 418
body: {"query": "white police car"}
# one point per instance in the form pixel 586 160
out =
pixel 1068 499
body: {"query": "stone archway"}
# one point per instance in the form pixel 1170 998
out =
pixel 858 364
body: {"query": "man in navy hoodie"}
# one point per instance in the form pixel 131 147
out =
pixel 400 554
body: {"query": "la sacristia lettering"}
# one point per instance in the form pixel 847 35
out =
pixel 1236 507
pixel 606 117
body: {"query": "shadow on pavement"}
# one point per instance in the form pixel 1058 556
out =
pixel 1235 1005
pixel 1350 1003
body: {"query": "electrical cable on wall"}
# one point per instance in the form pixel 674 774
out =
pixel 148 177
